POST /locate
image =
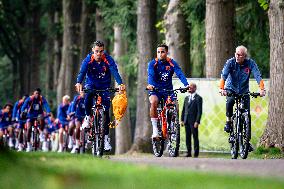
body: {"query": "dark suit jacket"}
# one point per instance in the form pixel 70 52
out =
pixel 191 112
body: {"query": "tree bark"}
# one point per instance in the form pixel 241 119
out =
pixel 178 36
pixel 123 130
pixel 71 48
pixel 220 35
pixel 57 44
pixel 273 135
pixel 146 46
pixel 100 30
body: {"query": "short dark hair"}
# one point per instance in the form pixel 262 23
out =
pixel 98 43
pixel 38 90
pixel 163 45
pixel 8 104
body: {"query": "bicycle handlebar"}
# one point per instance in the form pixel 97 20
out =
pixel 182 90
pixel 113 90
pixel 232 94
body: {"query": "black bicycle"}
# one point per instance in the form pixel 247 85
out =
pixel 96 131
pixel 168 125
pixel 240 135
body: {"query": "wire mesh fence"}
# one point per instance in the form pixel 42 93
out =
pixel 211 134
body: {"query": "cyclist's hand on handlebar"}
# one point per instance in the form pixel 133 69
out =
pixel 121 88
pixel 78 87
pixel 150 87
pixel 223 92
pixel 182 123
pixel 262 92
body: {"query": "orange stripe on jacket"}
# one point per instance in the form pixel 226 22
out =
pixel 222 83
pixel 261 85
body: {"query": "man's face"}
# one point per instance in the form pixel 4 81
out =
pixel 36 94
pixel 98 52
pixel 7 109
pixel 192 88
pixel 162 53
pixel 240 56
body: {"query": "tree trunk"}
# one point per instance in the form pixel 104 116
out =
pixel 178 35
pixel 87 32
pixel 57 44
pixel 146 45
pixel 220 35
pixel 273 135
pixel 71 48
pixel 100 30
pixel 123 131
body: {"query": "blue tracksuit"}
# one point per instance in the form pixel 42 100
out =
pixel 35 106
pixel 237 75
pixel 5 119
pixel 98 75
pixel 16 113
pixel 78 107
pixel 160 73
pixel 62 113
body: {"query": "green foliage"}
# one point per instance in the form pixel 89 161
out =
pixel 264 4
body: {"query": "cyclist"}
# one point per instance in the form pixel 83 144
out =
pixel 6 123
pixel 236 73
pixel 63 121
pixel 33 108
pixel 78 108
pixel 160 73
pixel 98 67
pixel 20 123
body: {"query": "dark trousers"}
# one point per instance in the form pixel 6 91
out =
pixel 190 130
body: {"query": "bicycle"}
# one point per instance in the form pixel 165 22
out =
pixel 168 125
pixel 239 137
pixel 97 132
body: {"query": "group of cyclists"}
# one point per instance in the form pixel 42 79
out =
pixel 95 73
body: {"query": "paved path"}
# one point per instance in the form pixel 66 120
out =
pixel 269 167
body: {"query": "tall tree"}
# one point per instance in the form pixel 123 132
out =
pixel 220 35
pixel 71 48
pixel 178 35
pixel 123 131
pixel 146 43
pixel 274 131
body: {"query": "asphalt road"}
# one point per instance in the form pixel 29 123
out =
pixel 256 167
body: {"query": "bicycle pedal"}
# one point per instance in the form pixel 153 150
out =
pixel 231 139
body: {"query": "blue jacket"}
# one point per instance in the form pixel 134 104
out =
pixel 237 75
pixel 160 73
pixel 17 110
pixel 34 106
pixel 5 119
pixel 78 106
pixel 62 113
pixel 98 75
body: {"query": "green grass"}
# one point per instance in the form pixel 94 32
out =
pixel 52 171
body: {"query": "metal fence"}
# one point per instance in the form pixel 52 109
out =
pixel 211 134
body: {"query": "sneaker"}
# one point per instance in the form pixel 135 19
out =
pixel 228 126
pixel 11 144
pixel 107 144
pixel 70 144
pixel 29 147
pixel 60 149
pixel 74 150
pixel 20 148
pixel 250 149
pixel 44 147
pixel 41 137
pixel 86 122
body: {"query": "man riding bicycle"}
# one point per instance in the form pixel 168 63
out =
pixel 236 73
pixel 34 107
pixel 6 123
pixel 98 68
pixel 160 73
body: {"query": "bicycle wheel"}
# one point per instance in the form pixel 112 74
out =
pixel 173 132
pixel 35 139
pixel 99 133
pixel 244 137
pixel 83 141
pixel 158 143
pixel 235 141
